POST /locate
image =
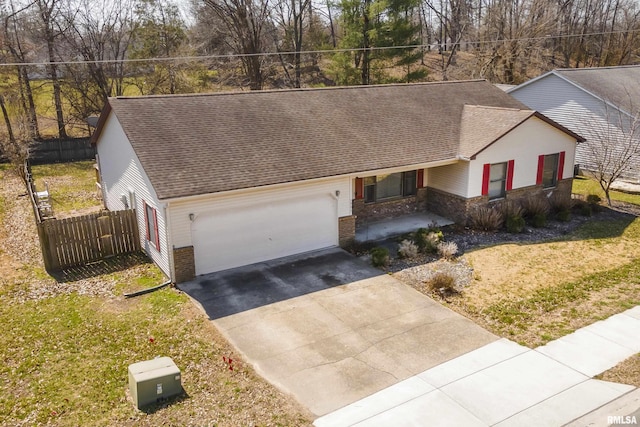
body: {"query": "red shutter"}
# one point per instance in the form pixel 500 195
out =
pixel 561 165
pixel 155 226
pixel 359 188
pixel 540 169
pixel 510 166
pixel 146 220
pixel 485 178
pixel 420 178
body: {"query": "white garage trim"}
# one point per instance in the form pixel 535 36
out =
pixel 232 236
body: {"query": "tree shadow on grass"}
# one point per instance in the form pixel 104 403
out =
pixel 100 267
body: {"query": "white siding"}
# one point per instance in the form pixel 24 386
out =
pixel 575 109
pixel 121 172
pixel 523 145
pixel 453 178
pixel 179 210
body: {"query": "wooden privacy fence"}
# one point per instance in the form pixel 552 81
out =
pixel 74 241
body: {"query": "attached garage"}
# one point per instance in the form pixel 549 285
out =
pixel 237 178
pixel 235 234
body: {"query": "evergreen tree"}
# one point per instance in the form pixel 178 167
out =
pixel 370 24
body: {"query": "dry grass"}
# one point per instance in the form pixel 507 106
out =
pixel 534 293
pixel 72 187
pixel 627 372
pixel 67 345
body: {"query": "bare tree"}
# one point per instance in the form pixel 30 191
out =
pixel 613 147
pixel 48 12
pixel 97 35
pixel 15 145
pixel 292 16
pixel 245 22
pixel 15 41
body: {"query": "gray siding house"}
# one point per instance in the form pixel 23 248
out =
pixel 601 104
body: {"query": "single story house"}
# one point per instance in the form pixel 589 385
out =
pixel 228 179
pixel 601 104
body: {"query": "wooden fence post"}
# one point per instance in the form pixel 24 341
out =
pixel 104 229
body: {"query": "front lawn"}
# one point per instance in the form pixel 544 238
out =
pixel 66 346
pixel 533 292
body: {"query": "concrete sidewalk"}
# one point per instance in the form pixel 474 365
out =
pixel 506 384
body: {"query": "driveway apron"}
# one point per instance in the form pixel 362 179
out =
pixel 330 329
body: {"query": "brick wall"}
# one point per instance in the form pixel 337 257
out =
pixel 346 230
pixel 184 264
pixel 457 208
pixel 451 206
pixel 368 212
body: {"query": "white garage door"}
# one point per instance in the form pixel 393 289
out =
pixel 231 237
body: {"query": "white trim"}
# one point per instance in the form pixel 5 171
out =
pixel 167 220
pixel 528 82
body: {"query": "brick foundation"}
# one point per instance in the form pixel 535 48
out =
pixel 346 230
pixel 184 264
pixel 451 206
pixel 368 212
pixel 458 208
pixel 563 189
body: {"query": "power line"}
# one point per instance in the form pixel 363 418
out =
pixel 309 52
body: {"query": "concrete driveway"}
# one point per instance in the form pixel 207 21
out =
pixel 330 329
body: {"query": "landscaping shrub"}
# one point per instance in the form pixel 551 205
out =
pixel 513 214
pixel 586 209
pixel 511 208
pixel 539 220
pixel 444 284
pixel 594 202
pixel 515 224
pixel 535 206
pixel 485 218
pixel 561 206
pixel 407 249
pixel 427 239
pixel 379 256
pixel 536 210
pixel 593 199
pixel 447 250
pixel 563 215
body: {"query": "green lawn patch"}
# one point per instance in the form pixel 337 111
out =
pixel 65 363
pixel 72 186
pixel 586 186
pixel 519 316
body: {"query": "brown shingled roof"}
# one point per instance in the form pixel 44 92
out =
pixel 199 144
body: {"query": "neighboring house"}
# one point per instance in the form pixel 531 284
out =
pixel 601 104
pixel 227 179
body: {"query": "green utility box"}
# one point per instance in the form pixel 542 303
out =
pixel 154 380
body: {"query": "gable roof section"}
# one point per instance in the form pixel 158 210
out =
pixel 199 144
pixel 619 86
pixel 482 126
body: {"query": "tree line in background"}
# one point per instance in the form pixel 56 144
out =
pixel 87 51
